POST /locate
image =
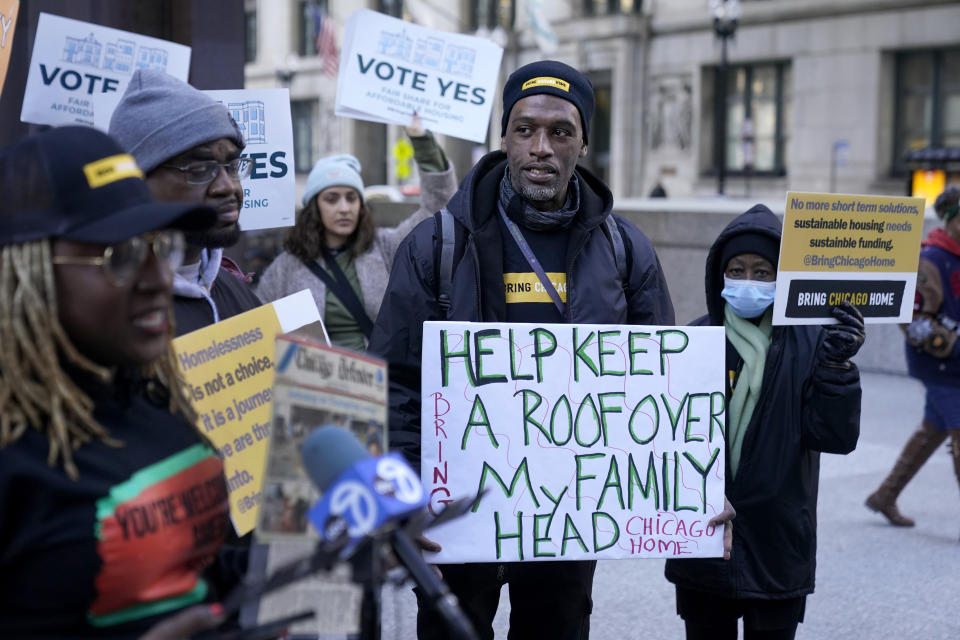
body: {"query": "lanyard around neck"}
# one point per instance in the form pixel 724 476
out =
pixel 532 260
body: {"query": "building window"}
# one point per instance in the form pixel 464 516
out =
pixel 758 98
pixel 303 114
pixel 250 32
pixel 391 7
pixel 604 7
pixel 598 142
pixel 928 101
pixel 490 14
pixel 307 31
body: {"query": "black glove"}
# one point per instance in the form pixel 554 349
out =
pixel 843 340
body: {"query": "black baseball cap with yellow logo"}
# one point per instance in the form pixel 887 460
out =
pixel 553 78
pixel 77 183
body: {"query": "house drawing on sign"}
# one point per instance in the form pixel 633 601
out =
pixel 459 60
pixel 119 56
pixel 251 120
pixel 395 45
pixel 429 52
pixel 152 58
pixel 84 51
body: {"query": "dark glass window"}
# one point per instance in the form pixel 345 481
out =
pixel 598 142
pixel 391 7
pixel 757 96
pixel 490 14
pixel 307 31
pixel 250 34
pixel 604 7
pixel 303 114
pixel 928 101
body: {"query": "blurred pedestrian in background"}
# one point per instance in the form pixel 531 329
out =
pixel 933 357
pixel 337 252
pixel 792 393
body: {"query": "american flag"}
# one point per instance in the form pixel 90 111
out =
pixel 326 41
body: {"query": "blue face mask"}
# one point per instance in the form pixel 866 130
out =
pixel 748 298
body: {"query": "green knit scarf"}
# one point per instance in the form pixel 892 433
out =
pixel 751 342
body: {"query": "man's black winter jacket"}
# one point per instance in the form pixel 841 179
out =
pixel 595 293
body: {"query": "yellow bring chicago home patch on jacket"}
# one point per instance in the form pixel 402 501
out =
pixel 526 287
pixel 546 81
pixel 106 170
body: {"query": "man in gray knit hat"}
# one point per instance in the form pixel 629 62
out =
pixel 189 148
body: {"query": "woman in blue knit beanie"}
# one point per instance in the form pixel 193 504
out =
pixel 336 251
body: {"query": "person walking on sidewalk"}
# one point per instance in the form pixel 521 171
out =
pixel 933 357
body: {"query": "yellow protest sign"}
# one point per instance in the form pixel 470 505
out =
pixel 836 247
pixel 8 20
pixel 402 154
pixel 229 368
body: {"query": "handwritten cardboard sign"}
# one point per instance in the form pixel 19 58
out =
pixel 391 68
pixel 79 71
pixel 592 441
pixel 269 194
pixel 864 249
pixel 8 20
pixel 229 367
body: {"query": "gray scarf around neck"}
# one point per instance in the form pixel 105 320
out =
pixel 533 218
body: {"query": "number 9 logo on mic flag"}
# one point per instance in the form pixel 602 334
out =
pixel 406 485
pixel 356 505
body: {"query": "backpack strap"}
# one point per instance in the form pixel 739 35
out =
pixel 613 234
pixel 447 246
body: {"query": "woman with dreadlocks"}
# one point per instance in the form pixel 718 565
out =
pixel 111 502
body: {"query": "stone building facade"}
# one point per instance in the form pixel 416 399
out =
pixel 834 91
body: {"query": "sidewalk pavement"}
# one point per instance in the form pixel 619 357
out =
pixel 874 581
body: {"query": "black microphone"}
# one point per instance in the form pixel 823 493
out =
pixel 367 496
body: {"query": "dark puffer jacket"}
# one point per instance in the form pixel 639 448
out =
pixel 595 293
pixel 805 408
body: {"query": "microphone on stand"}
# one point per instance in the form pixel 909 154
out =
pixel 365 497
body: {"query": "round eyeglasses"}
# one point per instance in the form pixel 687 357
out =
pixel 206 171
pixel 122 261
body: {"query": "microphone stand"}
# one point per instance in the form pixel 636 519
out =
pixel 368 571
pixel 367 568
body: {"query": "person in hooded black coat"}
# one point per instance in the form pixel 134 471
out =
pixel 808 402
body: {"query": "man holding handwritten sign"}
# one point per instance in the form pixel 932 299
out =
pixel 530 238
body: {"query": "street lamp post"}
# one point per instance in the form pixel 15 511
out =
pixel 725 16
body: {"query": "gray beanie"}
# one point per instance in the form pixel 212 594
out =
pixel 160 117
